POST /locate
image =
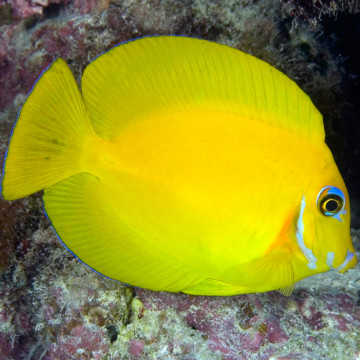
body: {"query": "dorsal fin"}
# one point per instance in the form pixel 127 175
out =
pixel 167 74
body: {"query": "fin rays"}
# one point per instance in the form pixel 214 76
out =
pixel 183 74
pixel 83 213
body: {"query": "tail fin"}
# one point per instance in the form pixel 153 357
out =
pixel 49 135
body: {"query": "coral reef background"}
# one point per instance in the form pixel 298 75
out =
pixel 53 307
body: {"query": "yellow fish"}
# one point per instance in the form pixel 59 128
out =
pixel 183 165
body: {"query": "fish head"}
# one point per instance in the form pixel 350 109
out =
pixel 323 226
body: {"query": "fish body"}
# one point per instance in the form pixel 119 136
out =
pixel 183 165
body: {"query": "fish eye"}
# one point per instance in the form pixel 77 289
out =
pixel 330 201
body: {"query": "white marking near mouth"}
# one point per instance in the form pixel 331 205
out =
pixel 310 257
pixel 330 257
pixel 348 258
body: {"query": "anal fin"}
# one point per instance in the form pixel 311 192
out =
pixel 86 217
pixel 213 287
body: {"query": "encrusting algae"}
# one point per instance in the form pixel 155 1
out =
pixel 183 165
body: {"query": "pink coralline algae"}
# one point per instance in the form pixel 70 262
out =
pixel 263 326
pixel 136 347
pixel 26 8
pixel 83 341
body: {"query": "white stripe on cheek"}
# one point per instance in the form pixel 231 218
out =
pixel 310 257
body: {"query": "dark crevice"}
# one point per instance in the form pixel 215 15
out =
pixel 341 35
pixel 112 332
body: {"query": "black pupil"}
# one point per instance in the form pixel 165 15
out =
pixel 331 205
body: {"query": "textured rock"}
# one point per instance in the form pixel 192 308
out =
pixel 312 12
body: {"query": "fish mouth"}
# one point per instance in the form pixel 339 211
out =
pixel 349 262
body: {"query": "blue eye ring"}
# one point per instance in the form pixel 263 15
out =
pixel 330 201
